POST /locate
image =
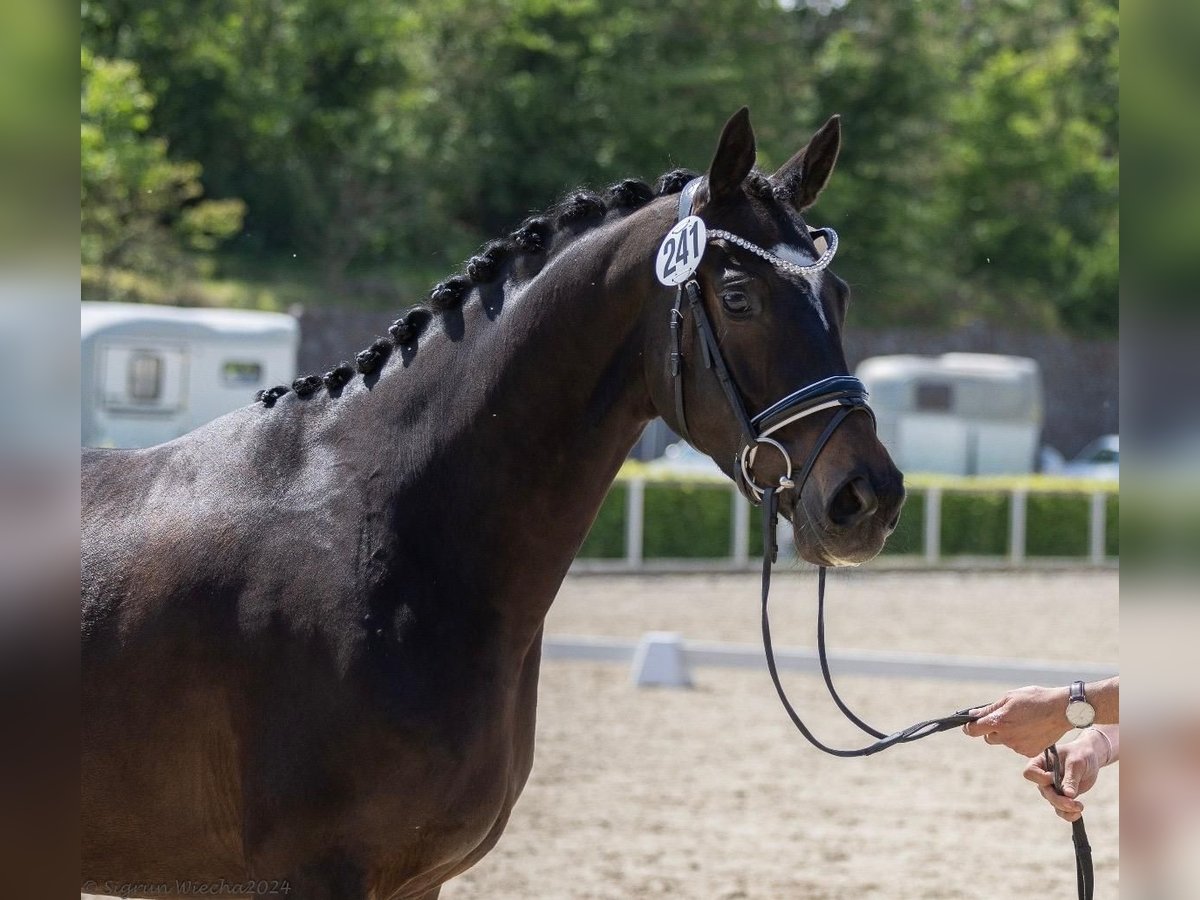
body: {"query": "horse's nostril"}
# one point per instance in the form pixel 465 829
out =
pixel 853 502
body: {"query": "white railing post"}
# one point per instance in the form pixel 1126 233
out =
pixel 1098 524
pixel 933 524
pixel 739 548
pixel 1018 506
pixel 635 513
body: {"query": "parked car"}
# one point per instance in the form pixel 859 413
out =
pixel 1099 459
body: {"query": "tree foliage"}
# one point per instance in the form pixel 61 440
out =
pixel 978 177
pixel 140 210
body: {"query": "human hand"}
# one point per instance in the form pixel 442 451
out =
pixel 1081 760
pixel 1027 720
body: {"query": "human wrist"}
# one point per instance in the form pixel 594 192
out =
pixel 1101 745
pixel 1105 698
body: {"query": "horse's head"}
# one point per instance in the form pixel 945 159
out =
pixel 776 319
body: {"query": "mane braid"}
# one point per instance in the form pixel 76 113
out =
pixel 579 209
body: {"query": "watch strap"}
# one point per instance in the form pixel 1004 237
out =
pixel 1077 692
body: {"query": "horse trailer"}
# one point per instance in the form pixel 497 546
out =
pixel 958 413
pixel 152 373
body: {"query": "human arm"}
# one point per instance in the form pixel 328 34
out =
pixel 1029 719
pixel 1082 759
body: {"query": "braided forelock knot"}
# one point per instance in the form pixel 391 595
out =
pixel 534 235
pixel 673 182
pixel 579 206
pixel 307 385
pixel 338 376
pixel 628 194
pixel 761 187
pixel 373 357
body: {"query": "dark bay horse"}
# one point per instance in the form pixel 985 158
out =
pixel 312 628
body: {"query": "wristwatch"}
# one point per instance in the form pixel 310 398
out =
pixel 1080 713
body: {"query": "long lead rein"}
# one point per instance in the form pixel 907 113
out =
pixel 1085 878
pixel 1085 881
pixel 905 735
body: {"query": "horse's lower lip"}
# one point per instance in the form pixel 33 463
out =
pixel 825 557
pixel 821 547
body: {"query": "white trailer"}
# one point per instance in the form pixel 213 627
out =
pixel 152 373
pixel 958 413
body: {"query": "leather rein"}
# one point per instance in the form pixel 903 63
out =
pixel 845 394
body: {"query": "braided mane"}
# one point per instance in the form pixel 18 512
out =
pixel 576 211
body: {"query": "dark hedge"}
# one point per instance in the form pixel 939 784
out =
pixel 694 521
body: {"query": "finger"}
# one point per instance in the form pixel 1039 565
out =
pixel 996 739
pixel 1068 816
pixel 977 727
pixel 1059 802
pixel 1035 773
pixel 986 708
pixel 1075 771
pixel 1070 783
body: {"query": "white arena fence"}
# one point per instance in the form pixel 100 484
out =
pixel 665 659
pixel 739 557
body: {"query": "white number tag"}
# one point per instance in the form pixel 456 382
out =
pixel 681 250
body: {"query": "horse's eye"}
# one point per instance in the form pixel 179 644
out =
pixel 736 303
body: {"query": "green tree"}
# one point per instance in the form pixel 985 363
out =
pixel 141 213
pixel 890 69
pixel 978 178
pixel 1037 175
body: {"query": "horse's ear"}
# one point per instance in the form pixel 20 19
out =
pixel 734 157
pixel 805 175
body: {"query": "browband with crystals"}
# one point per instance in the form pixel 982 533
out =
pixel 779 262
pixel 687 199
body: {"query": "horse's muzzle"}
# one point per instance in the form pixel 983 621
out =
pixel 849 524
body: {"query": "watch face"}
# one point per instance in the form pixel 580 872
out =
pixel 1080 713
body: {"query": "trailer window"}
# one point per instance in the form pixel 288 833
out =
pixel 934 397
pixel 144 380
pixel 239 373
pixel 145 375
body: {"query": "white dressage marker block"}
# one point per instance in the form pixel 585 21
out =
pixel 659 661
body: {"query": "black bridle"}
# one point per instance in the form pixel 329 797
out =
pixel 844 394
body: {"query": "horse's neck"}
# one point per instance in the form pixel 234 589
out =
pixel 513 421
